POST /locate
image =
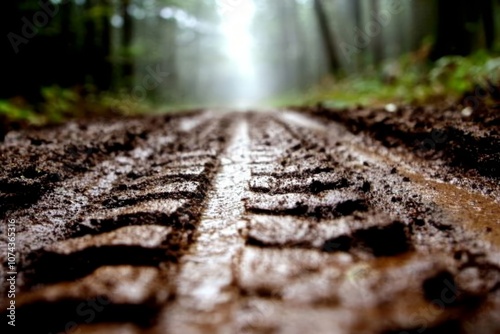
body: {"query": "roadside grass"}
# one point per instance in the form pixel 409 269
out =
pixel 409 80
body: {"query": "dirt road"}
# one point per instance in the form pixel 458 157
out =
pixel 310 221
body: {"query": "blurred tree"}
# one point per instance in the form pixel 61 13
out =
pixel 451 36
pixel 460 23
pixel 377 47
pixel 89 44
pixel 104 69
pixel 327 36
pixel 297 30
pixel 114 44
pixel 487 13
pixel 127 36
pixel 10 16
pixel 357 13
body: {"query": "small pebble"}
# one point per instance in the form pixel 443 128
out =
pixel 391 107
pixel 466 112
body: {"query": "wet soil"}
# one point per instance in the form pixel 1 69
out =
pixel 300 221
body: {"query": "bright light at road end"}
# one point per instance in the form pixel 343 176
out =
pixel 236 21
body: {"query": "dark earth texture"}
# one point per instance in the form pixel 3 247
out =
pixel 306 220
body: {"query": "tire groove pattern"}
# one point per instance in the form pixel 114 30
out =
pixel 118 237
pixel 307 259
pixel 188 225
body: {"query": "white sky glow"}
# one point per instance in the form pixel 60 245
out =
pixel 236 21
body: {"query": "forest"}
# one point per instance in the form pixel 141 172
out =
pixel 79 57
pixel 250 166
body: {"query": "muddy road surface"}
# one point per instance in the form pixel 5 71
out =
pixel 296 221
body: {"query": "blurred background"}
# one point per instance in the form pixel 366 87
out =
pixel 65 58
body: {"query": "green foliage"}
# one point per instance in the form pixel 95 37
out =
pixel 411 80
pixel 61 104
pixel 15 112
pixel 58 103
pixel 459 74
pixel 121 103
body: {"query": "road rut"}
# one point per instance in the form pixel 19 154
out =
pixel 306 221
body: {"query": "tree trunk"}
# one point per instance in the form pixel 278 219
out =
pixel 452 36
pixel 358 23
pixel 106 69
pixel 89 45
pixel 301 61
pixel 377 49
pixel 172 91
pixel 327 36
pixel 67 38
pixel 287 44
pixel 127 35
pixel 11 67
pixel 487 11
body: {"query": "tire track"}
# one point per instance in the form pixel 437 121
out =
pixel 257 223
pixel 145 206
pixel 302 257
pixel 206 295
